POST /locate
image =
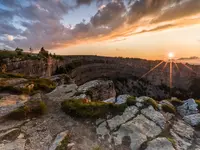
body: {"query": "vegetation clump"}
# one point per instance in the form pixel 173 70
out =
pixel 64 144
pixel 153 103
pixel 176 102
pixel 43 84
pixel 198 103
pixel 131 101
pixel 30 109
pixel 168 108
pixel 97 109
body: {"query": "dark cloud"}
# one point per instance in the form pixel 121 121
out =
pixel 109 15
pixel 183 9
pixel 43 18
pixel 141 8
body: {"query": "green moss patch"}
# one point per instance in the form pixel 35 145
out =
pixel 168 108
pixel 131 101
pixel 198 103
pixel 97 109
pixel 153 103
pixel 30 109
pixel 42 84
pixel 63 144
pixel 176 102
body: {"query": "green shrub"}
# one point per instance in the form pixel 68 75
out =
pixel 96 148
pixel 97 109
pixel 198 103
pixel 43 84
pixel 171 140
pixel 168 108
pixel 64 143
pixel 153 103
pixel 176 102
pixel 11 75
pixel 131 101
pixel 29 110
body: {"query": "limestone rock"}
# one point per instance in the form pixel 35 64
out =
pixel 116 121
pixel 160 144
pixel 102 130
pixel 59 138
pixel 188 108
pixel 63 92
pixel 166 102
pixel 182 135
pixel 10 135
pixel 122 99
pixel 18 144
pixel 155 116
pixel 98 89
pixel 139 129
pixel 193 119
pixel 142 99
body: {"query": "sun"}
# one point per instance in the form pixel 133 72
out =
pixel 170 55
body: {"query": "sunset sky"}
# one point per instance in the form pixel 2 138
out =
pixel 129 28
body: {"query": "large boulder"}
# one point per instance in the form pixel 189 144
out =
pixel 128 114
pixel 154 115
pixel 63 92
pixel 138 130
pixel 188 108
pixel 98 89
pixel 193 119
pixel 182 134
pixel 160 144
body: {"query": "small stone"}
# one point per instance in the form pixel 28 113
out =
pixel 21 136
pixel 70 145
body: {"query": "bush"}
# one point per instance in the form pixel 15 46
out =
pixel 153 103
pixel 11 75
pixel 43 85
pixel 168 108
pixel 29 110
pixel 176 102
pixel 131 101
pixel 79 108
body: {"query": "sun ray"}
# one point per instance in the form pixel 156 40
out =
pixel 189 68
pixel 176 66
pixel 165 66
pixel 152 69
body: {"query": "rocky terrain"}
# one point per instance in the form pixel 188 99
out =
pixel 124 72
pixel 144 124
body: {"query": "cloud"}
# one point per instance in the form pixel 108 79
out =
pixel 42 20
pixel 189 58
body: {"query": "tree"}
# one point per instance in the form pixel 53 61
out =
pixel 19 51
pixel 31 50
pixel 43 52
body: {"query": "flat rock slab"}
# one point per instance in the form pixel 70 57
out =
pixel 182 134
pixel 193 120
pixel 160 144
pixel 129 113
pixel 155 116
pixel 139 129
pixel 18 144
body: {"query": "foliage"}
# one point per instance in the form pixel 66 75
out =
pixel 3 68
pixel 43 53
pixel 11 75
pixel 131 101
pixel 168 108
pixel 153 103
pixel 97 109
pixel 43 84
pixel 30 109
pixel 96 148
pixel 19 51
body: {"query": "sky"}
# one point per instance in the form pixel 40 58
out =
pixel 147 29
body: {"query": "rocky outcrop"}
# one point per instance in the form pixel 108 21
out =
pixel 193 120
pixel 160 144
pixel 98 89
